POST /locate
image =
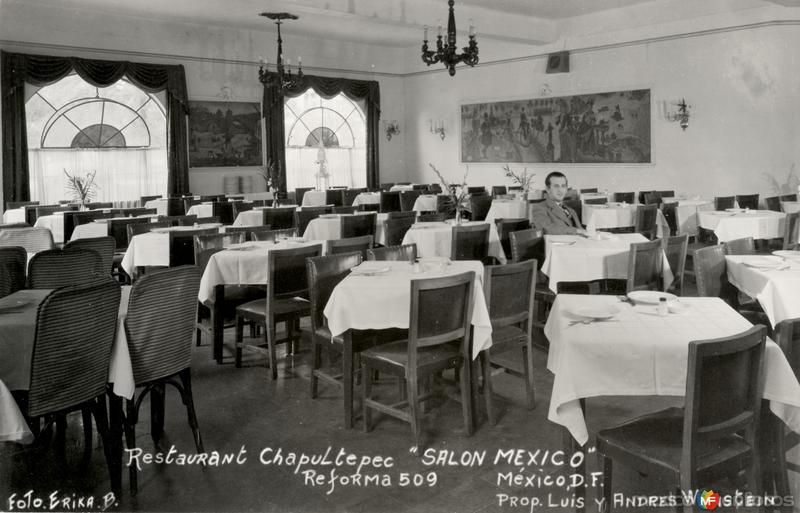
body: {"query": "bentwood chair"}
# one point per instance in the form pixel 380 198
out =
pixel 59 268
pixel 357 225
pixel 723 202
pixel 406 252
pixel 104 246
pixel 439 338
pixel 287 290
pixel 646 219
pixel 675 249
pixel 75 329
pixel 324 273
pixel 645 266
pixel 279 218
pixel 715 434
pixel 358 244
pixel 159 326
pixel 509 291
pixel 394 230
pixel 13 261
pixel 470 242
pixel 32 239
pixel 747 201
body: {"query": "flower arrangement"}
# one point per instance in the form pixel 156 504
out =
pixel 788 187
pixel 82 188
pixel 458 193
pixel 523 179
pixel 270 175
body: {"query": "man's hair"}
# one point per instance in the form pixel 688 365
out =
pixel 554 174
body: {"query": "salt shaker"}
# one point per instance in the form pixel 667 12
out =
pixel 663 309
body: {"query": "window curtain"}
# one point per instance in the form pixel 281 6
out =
pixel 327 88
pixel 39 70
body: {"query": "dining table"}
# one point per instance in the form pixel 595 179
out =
pixel 618 215
pixel 159 204
pixel 14 215
pixel 736 223
pixel 329 227
pixel 380 298
pixel 686 212
pixel 152 248
pixel 201 210
pixel 790 207
pixel 507 209
pixel 604 255
pixel 435 239
pixel 367 198
pixel 773 280
pixel 314 198
pixel 425 203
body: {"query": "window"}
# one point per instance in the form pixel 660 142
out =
pixel 325 133
pixel 118 131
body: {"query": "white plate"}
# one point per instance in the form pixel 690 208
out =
pixel 597 312
pixel 434 260
pixel 723 214
pixel 765 263
pixel 366 271
pixel 650 297
pixel 562 242
pixel 735 210
pixel 789 255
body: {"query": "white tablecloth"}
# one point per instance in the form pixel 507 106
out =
pixel 507 209
pixel 576 258
pixel 425 203
pixel 778 291
pixel 759 224
pixel 329 227
pixel 367 198
pixel 90 230
pixel 14 215
pixel 314 199
pixel 159 204
pixel 436 239
pixel 790 206
pixel 201 210
pixel 13 427
pixel 383 301
pixel 640 353
pixel 246 266
pixel 617 216
pixel 249 218
pixel 593 195
pixel 396 188
pixel 54 223
pixel 152 248
pixel 686 212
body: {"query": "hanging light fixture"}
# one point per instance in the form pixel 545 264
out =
pixel 447 53
pixel 283 77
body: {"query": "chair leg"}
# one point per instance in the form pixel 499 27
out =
pixel 239 340
pixel 412 384
pixel 366 382
pixel 607 477
pixel 157 405
pixel 186 380
pixel 530 392
pixel 86 413
pixel 269 336
pixel 116 420
pixel 98 409
pixel 347 381
pixel 466 396
pixel 487 387
pixel 316 363
pixel 130 440
pixel 199 333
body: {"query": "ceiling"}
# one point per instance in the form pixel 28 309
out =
pixel 399 23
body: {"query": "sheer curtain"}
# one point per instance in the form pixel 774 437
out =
pixel 122 174
pixel 341 166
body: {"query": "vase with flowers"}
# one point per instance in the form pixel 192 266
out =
pixel 458 194
pixel 82 188
pixel 270 175
pixel 523 179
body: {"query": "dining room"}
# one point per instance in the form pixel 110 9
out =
pixel 418 255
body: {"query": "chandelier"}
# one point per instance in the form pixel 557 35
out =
pixel 283 77
pixel 447 53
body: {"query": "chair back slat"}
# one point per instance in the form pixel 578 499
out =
pixel 56 268
pixel 75 328
pixel 160 322
pixel 323 274
pixel 104 246
pixel 441 310
pixel 406 252
pixel 509 291
pixel 279 218
pixel 287 271
pixel 470 242
pixel 645 266
pixel 12 269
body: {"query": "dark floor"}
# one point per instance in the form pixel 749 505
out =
pixel 243 410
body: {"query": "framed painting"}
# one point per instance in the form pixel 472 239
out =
pixel 598 128
pixel 224 134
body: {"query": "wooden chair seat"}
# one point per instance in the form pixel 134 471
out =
pixel 506 337
pixel 393 357
pixel 255 310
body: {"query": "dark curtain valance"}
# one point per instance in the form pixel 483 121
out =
pixel 41 70
pixel 327 88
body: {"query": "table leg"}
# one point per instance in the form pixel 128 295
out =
pixel 217 321
pixel 115 419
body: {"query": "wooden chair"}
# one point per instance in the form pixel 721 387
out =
pixel 137 228
pixel 390 201
pixel 349 245
pixel 299 192
pixel 324 273
pixel 791 238
pixel 345 209
pixel 104 246
pixel 272 235
pixel 287 288
pixel 305 215
pixel 671 216
pixel 395 230
pixel 723 202
pixel 205 220
pixel 55 268
pixel 504 229
pixel 252 233
pixel 349 196
pixel 224 211
pixel 435 188
pixel 714 435
pixel 19 204
pixel 646 219
pixel 743 246
pixel 747 201
pixel 144 199
pixel 440 314
pixel 526 245
pixel 239 207
pixel 645 266
pixel 181 245
pixel 357 225
pixel 13 262
pixel 773 203
pixel 407 200
pixel 499 190
pixel 175 207
pixel 279 218
pixel 407 252
pixel 385 187
pixel 480 205
pixel 401 215
pixel 333 197
pixel 75 218
pixel 445 206
pixel 652 198
pixel 74 334
pixel 47 210
pixel 180 220
pixel 32 239
pixel 624 197
pixel 592 189
pixel 207 244
pixel 509 291
pixel 244 230
pixel 711 274
pixel 470 242
pixel 595 201
pixel 118 230
pixel 602 286
pixel 134 212
pixel 675 249
pixel 788 197
pixel 159 326
pixel 432 218
pixel 666 194
pixel 476 191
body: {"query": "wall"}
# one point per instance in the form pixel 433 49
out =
pixel 741 84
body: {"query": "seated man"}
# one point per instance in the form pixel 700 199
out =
pixel 551 216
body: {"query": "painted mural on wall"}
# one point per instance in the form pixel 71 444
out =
pixel 594 128
pixel 224 134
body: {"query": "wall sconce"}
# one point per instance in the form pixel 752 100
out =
pixel 437 127
pixel 392 128
pixel 681 115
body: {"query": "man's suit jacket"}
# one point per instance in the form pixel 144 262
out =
pixel 550 217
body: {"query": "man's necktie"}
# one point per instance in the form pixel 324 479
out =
pixel 570 218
